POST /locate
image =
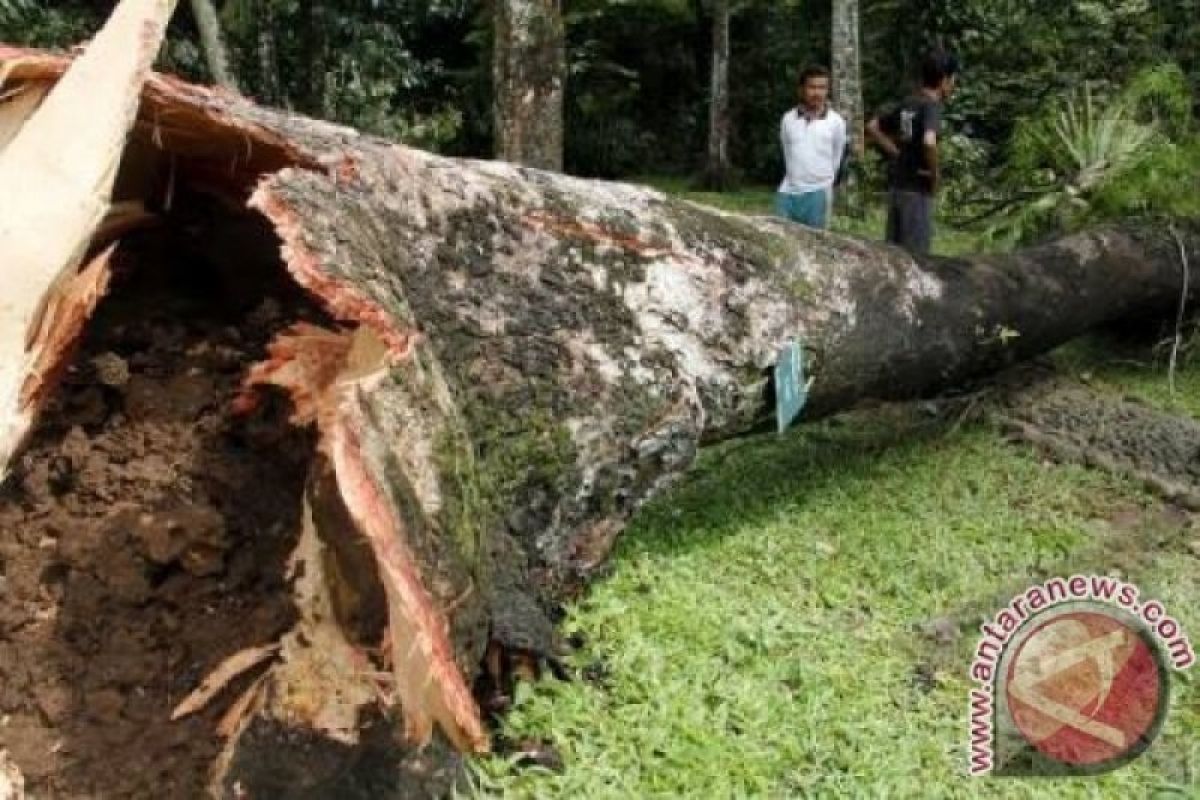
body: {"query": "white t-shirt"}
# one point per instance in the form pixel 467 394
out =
pixel 812 150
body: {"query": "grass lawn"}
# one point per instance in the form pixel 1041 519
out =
pixel 764 629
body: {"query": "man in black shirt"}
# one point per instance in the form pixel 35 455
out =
pixel 908 137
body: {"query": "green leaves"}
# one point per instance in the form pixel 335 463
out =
pixel 10 8
pixel 41 23
pixel 1088 157
pixel 1090 144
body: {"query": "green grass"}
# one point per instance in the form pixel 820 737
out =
pixel 745 200
pixel 760 634
pixel 1138 372
pixel 761 200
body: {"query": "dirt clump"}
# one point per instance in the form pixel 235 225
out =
pixel 144 536
pixel 1074 422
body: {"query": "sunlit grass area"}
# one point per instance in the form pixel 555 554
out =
pixel 797 618
pixel 766 628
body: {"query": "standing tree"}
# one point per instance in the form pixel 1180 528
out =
pixel 213 43
pixel 847 74
pixel 716 167
pixel 529 71
pixel 267 57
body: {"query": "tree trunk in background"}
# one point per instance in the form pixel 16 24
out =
pixel 847 74
pixel 268 57
pixel 308 94
pixel 847 83
pixel 529 73
pixel 701 41
pixel 216 56
pixel 716 168
pixel 518 360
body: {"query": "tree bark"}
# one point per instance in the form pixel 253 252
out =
pixel 847 86
pixel 268 57
pixel 520 360
pixel 305 89
pixel 212 41
pixel 847 73
pixel 529 71
pixel 716 166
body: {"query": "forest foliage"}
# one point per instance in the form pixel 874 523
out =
pixel 1068 111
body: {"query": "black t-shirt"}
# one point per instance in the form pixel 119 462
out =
pixel 907 125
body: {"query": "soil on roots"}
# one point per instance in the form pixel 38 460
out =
pixel 1107 431
pixel 145 532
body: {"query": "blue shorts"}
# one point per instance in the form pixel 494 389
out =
pixel 810 208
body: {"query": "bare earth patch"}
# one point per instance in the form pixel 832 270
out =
pixel 144 538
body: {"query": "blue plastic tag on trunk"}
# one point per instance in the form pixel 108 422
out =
pixel 791 389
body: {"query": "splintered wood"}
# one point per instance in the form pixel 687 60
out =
pixel 58 169
pixel 226 672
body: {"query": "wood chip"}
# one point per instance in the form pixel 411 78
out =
pixel 12 784
pixel 219 678
pixel 232 719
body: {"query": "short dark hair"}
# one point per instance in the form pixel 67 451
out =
pixel 938 66
pixel 812 71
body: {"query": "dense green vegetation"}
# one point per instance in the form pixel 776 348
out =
pixel 1068 112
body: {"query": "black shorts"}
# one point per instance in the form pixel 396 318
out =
pixel 910 220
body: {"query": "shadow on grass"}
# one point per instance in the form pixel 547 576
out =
pixel 748 481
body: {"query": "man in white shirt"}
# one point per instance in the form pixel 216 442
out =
pixel 814 143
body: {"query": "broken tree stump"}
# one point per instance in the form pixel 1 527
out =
pixel 513 361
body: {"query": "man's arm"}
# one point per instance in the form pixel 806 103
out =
pixel 931 159
pixel 839 146
pixel 885 143
pixel 783 143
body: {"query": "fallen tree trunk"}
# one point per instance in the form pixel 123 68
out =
pixel 514 361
